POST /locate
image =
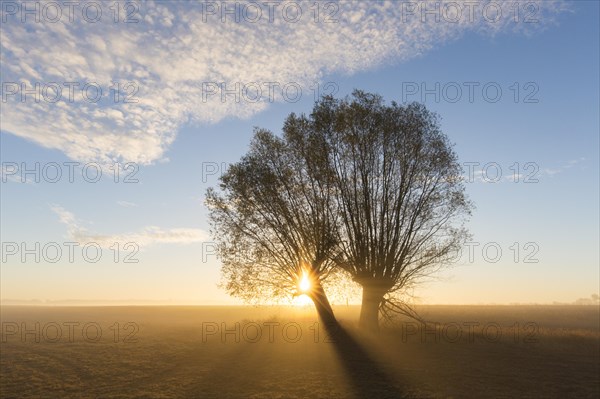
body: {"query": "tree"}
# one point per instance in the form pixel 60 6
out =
pixel 399 195
pixel 358 186
pixel 273 223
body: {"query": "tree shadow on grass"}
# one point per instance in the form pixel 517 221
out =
pixel 366 375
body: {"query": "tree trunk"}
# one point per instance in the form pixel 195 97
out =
pixel 322 304
pixel 372 297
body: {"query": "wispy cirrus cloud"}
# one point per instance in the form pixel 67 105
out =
pixel 529 172
pixel 164 62
pixel 126 204
pixel 564 167
pixel 146 236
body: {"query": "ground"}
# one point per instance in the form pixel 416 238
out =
pixel 277 352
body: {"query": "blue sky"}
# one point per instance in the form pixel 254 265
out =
pixel 175 139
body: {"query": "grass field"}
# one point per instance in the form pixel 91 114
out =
pixel 275 352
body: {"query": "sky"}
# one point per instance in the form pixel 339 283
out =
pixel 116 120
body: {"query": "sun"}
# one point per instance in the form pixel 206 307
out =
pixel 304 284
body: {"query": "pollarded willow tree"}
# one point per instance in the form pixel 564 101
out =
pixel 399 195
pixel 273 223
pixel 358 186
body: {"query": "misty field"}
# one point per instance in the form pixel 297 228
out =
pixel 281 352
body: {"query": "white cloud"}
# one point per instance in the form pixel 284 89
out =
pixel 564 167
pixel 68 219
pixel 146 236
pixel 574 162
pixel 551 172
pixel 177 46
pixel 126 204
pixel 531 172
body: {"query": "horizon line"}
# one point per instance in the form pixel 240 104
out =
pixel 149 303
